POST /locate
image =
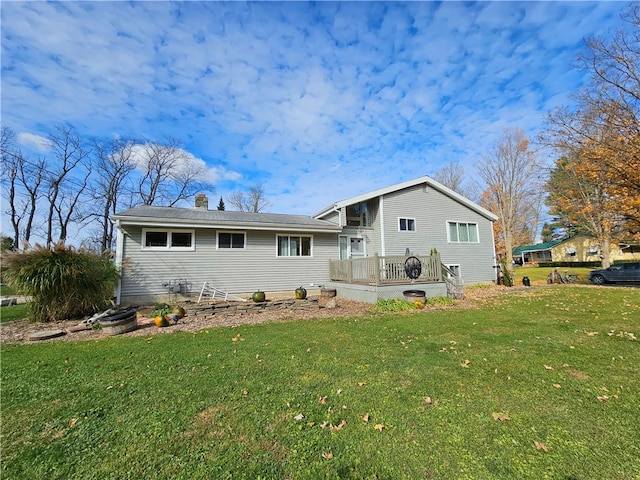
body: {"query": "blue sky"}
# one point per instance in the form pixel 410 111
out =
pixel 317 102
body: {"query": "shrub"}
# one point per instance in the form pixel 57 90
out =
pixel 440 301
pixel 393 305
pixel 63 282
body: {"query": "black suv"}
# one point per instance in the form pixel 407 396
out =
pixel 618 272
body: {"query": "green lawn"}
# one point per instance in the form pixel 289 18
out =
pixel 538 383
pixel 538 275
pixel 13 312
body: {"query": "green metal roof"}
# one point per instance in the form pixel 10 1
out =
pixel 535 248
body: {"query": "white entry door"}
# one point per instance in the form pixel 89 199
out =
pixel 351 247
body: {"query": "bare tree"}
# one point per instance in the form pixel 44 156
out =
pixel 22 181
pixel 113 162
pixel 514 188
pixel 453 176
pixel 169 174
pixel 252 201
pixel 65 186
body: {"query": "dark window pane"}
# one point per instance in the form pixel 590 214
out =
pixel 155 239
pixel 237 240
pixel 180 239
pixel 224 240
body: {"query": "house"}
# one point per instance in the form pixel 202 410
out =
pixel 168 250
pixel 579 248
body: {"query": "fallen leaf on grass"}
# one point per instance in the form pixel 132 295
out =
pixel 557 385
pixel 380 427
pixel 72 422
pixel 327 455
pixel 548 367
pixel 365 418
pixel 602 398
pixel 245 392
pixel 324 424
pixel 362 384
pixel 339 426
pixel 604 389
pixel 540 446
pixel 500 416
pixel 465 364
pixel 591 334
pixel 322 400
pixel 299 417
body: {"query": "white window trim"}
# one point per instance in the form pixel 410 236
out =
pixel 294 235
pixel 415 225
pixel 230 249
pixel 449 222
pixel 168 247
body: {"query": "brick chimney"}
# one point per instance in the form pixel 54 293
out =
pixel 202 202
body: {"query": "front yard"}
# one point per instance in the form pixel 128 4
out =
pixel 535 383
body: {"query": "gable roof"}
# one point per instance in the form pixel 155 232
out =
pixel 152 216
pixel 428 181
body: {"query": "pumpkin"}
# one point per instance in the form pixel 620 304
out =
pixel 301 293
pixel 258 296
pixel 161 321
pixel 179 311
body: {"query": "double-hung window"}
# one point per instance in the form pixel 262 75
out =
pixel 231 240
pixel 159 239
pixel 461 232
pixel 294 246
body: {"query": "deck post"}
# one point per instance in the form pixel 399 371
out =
pixel 376 268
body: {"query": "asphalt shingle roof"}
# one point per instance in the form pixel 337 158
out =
pixel 147 214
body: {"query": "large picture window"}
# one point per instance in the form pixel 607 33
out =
pixel 294 246
pixel 460 232
pixel 156 239
pixel 231 240
pixel 359 215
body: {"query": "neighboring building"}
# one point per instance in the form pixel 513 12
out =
pixel 580 248
pixel 165 249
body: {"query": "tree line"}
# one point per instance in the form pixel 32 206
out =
pixel 80 183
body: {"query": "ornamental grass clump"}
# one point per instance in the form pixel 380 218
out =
pixel 63 282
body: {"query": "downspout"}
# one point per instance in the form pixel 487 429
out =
pixel 118 261
pixel 383 247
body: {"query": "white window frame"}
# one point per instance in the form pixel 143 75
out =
pixel 279 235
pixel 169 232
pixel 457 224
pixel 408 221
pixel 231 248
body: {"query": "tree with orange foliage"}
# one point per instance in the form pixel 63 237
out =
pixel 513 191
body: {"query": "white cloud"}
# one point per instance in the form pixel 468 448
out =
pixel 35 142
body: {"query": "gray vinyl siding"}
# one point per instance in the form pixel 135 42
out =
pixel 431 210
pixel 235 271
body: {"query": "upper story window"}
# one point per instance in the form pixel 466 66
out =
pixel 231 240
pixel 406 224
pixel 359 215
pixel 160 239
pixel 461 232
pixel 294 246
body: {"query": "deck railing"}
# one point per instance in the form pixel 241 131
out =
pixel 377 270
